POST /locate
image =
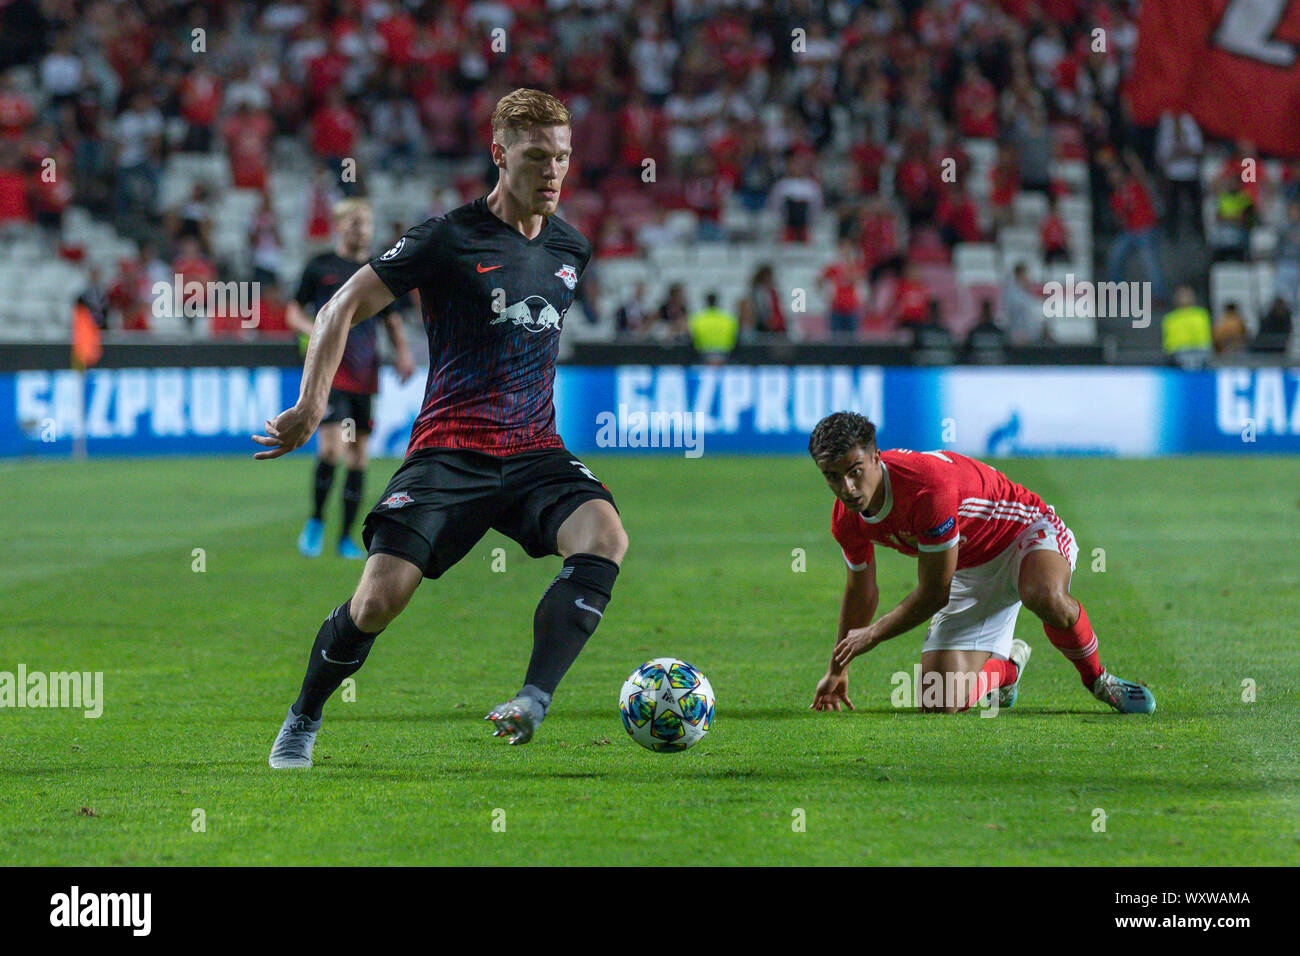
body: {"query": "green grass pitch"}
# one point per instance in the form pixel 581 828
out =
pixel 1199 592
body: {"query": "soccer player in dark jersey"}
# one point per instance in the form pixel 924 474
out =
pixel 495 277
pixel 348 415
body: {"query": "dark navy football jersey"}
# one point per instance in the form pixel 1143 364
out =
pixel 321 278
pixel 493 304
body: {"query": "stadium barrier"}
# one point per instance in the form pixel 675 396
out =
pixel 694 410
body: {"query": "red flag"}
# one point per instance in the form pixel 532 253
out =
pixel 1233 64
pixel 86 348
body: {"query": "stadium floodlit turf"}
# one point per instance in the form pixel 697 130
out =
pixel 1198 596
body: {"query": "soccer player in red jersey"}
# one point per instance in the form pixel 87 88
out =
pixel 984 546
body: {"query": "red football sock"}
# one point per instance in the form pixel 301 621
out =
pixel 992 675
pixel 1079 644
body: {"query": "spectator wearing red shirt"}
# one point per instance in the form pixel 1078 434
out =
pixel 192 266
pixel 705 193
pixel 641 130
pixel 334 133
pixel 1004 180
pixel 1130 201
pixel 129 295
pixel 200 97
pixel 597 129
pixel 271 311
pixel 247 135
pixel 13 186
pixel 397 32
pixel 958 217
pixel 916 181
pixel 320 205
pixel 911 305
pixel 843 276
pixel 878 239
pixel 50 191
pixel 325 72
pixel 976 105
pixel 269 316
pixel 16 110
pixel 868 157
pixel 443 111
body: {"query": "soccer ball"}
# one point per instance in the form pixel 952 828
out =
pixel 667 705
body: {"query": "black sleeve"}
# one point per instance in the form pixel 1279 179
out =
pixel 416 260
pixel 306 294
pixel 586 255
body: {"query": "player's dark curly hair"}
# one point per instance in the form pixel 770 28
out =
pixel 839 432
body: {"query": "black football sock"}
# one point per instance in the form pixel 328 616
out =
pixel 353 486
pixel 338 653
pixel 566 616
pixel 322 482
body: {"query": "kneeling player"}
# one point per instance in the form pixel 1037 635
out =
pixel 984 546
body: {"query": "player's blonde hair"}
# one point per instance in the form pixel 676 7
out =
pixel 346 207
pixel 524 110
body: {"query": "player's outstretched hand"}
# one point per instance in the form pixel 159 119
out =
pixel 405 367
pixel 287 431
pixel 832 692
pixel 855 642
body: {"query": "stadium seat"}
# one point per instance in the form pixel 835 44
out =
pixel 1071 172
pixel 1029 208
pixel 1234 282
pixel 975 262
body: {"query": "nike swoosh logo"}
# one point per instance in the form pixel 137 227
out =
pixel 330 660
pixel 479 266
pixel 585 607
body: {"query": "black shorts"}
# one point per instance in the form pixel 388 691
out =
pixel 354 405
pixel 442 501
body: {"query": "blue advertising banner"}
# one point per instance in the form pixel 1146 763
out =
pixel 138 411
pixel 695 410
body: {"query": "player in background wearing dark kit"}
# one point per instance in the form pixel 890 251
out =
pixel 495 279
pixel 355 382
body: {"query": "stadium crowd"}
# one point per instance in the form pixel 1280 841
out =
pixel 853 114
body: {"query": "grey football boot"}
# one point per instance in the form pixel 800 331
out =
pixel 519 718
pixel 1124 695
pixel 294 743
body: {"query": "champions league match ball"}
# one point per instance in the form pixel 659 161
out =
pixel 667 705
